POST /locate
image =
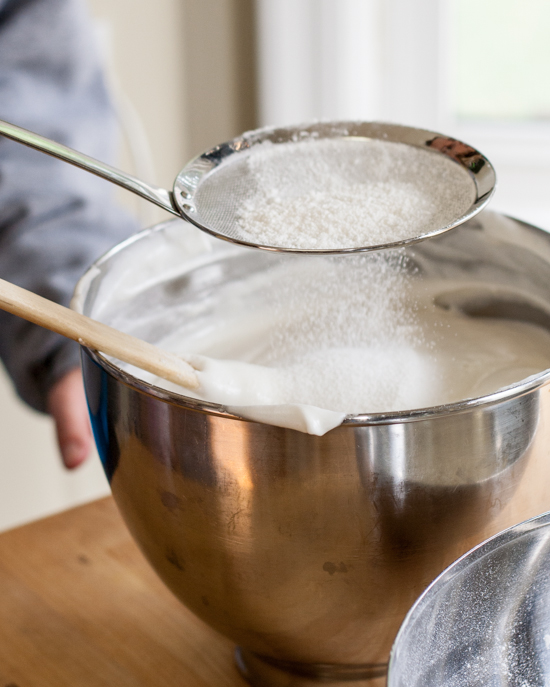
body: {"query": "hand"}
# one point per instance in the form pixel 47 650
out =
pixel 67 406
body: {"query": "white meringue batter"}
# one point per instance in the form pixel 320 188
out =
pixel 326 337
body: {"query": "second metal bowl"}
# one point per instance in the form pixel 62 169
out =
pixel 485 620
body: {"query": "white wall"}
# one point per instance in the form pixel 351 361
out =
pixel 33 483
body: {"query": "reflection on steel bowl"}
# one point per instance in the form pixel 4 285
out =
pixel 306 550
pixel 485 620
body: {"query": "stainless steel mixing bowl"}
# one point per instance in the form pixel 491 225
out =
pixel 308 551
pixel 485 620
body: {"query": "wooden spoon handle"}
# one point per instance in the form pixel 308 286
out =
pixel 96 335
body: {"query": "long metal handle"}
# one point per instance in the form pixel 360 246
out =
pixel 158 196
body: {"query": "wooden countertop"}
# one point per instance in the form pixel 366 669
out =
pixel 80 607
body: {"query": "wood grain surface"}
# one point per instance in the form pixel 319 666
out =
pixel 80 607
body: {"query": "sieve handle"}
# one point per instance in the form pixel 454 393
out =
pixel 96 335
pixel 158 196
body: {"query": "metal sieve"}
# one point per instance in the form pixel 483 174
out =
pixel 214 187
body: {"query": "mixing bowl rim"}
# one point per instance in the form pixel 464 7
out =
pixel 481 550
pixel 508 393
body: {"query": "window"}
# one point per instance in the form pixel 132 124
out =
pixel 500 60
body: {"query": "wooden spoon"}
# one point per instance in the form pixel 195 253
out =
pixel 96 335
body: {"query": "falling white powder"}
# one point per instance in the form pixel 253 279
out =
pixel 347 193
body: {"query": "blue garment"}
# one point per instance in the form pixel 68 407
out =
pixel 54 218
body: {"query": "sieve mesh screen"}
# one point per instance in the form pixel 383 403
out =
pixel 223 192
pixel 333 193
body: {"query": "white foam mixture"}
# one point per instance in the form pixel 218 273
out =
pixel 310 340
pixel 348 192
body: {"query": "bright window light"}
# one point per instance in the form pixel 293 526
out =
pixel 501 60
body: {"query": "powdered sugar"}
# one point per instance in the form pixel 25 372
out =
pixel 348 193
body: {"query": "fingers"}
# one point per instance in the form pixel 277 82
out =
pixel 67 406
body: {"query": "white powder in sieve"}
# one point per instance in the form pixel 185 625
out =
pixel 348 192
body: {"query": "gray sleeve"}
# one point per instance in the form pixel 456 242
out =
pixel 54 218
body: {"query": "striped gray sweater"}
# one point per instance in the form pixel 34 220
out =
pixel 54 219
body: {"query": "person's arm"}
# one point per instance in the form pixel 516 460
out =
pixel 54 219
